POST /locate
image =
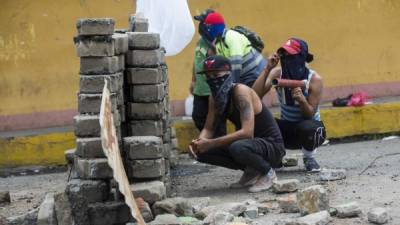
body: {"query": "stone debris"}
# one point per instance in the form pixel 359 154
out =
pixel 288 204
pixel 165 219
pixel 319 218
pixel 199 203
pixel 285 186
pixel 251 212
pixel 351 209
pixel 47 213
pixel 146 213
pixel 378 216
pixel 332 174
pixel 218 218
pixel 312 199
pixel 233 208
pixel 290 161
pixel 5 197
pixel 178 206
pixel 25 219
pixel 62 209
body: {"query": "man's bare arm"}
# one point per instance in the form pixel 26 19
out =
pixel 208 130
pixel 309 105
pixel 263 84
pixel 243 101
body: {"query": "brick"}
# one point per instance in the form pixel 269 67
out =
pixel 89 148
pixel 138 24
pixel 143 111
pixel 101 45
pixel 95 83
pixel 151 191
pixel 89 191
pixel 146 128
pixel 145 58
pixel 144 76
pixel 143 40
pixel 91 103
pixel 89 125
pixel 107 213
pixel 102 65
pixel 93 168
pixel 95 26
pixel 147 93
pixel 150 168
pixel 143 147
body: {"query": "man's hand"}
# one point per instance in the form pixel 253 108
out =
pixel 201 145
pixel 272 61
pixel 298 96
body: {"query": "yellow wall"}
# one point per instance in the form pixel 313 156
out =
pixel 354 42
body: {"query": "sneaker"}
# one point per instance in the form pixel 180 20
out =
pixel 311 165
pixel 264 182
pixel 249 177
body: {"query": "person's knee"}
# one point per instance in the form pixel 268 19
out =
pixel 237 149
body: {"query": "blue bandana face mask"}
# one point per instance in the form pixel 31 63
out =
pixel 215 30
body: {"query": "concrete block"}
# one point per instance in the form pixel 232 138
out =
pixel 288 204
pixel 93 168
pixel 351 209
pixel 166 150
pixel 313 199
pixel 167 135
pixel 332 174
pixel 285 186
pixel 151 191
pixel 147 93
pixel 144 75
pixel 95 83
pixel 143 147
pixel 102 65
pixel 378 216
pixel 120 43
pixel 146 128
pixel 101 45
pixel 47 213
pixel 145 58
pixel 146 111
pixel 107 213
pixel 89 125
pixel 91 103
pixel 174 143
pixel 138 24
pixel 95 26
pixel 147 168
pixel 89 148
pixel 69 155
pixel 88 191
pixel 143 40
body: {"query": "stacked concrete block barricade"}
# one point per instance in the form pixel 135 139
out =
pixel 133 63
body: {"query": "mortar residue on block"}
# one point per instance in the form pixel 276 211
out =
pixel 147 93
pixel 143 147
pixel 144 75
pixel 143 40
pixel 93 168
pixel 102 65
pixel 95 26
pixel 89 126
pixel 145 58
pixel 92 84
pixel 146 128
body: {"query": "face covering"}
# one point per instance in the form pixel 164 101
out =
pixel 220 89
pixel 204 33
pixel 293 68
pixel 215 30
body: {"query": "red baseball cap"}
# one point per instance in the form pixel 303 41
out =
pixel 214 18
pixel 291 46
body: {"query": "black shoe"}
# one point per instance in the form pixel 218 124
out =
pixel 311 165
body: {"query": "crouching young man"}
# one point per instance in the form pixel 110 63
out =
pixel 256 147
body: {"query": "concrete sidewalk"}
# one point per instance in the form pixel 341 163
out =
pixel 47 146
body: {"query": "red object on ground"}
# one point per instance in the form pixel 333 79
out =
pixel 358 99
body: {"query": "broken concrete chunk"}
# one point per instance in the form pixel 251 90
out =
pixel 151 191
pixel 178 206
pixel 312 199
pixel 95 83
pixel 378 216
pixel 93 168
pixel 102 65
pixel 145 58
pixel 147 93
pixel 144 40
pixel 219 217
pixel 332 174
pixel 351 209
pixel 5 197
pixel 233 208
pixel 62 209
pixel 25 219
pixel 144 76
pixel 47 214
pixel 199 203
pixel 285 186
pixel 166 219
pixel 95 26
pixel 319 218
pixel 290 160
pixel 288 204
pixel 146 168
pixel 251 212
pixel 143 147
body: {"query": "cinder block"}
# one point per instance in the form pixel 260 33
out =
pixel 147 168
pixel 95 83
pixel 146 128
pixel 120 98
pixel 147 93
pixel 91 103
pixel 143 111
pixel 107 213
pixel 95 26
pixel 174 143
pixel 93 168
pixel 145 58
pixel 89 125
pixel 122 113
pixel 101 45
pixel 138 24
pixel 120 43
pixel 167 149
pixel 88 190
pixel 143 40
pixel 143 147
pixel 167 135
pixel 144 75
pixel 89 148
pixel 151 191
pixel 102 65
